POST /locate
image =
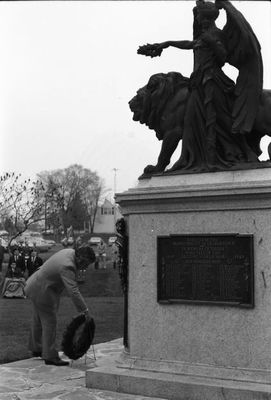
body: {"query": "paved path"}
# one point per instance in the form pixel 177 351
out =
pixel 31 379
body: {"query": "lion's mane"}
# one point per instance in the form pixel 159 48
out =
pixel 160 104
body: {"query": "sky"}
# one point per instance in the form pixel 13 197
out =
pixel 68 70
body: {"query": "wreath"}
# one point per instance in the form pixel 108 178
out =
pixel 78 337
pixel 151 50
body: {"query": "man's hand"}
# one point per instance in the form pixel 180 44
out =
pixel 87 315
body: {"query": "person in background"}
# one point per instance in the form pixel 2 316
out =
pixel 78 241
pixel 16 265
pixel 2 252
pixel 44 289
pixel 102 253
pixel 33 262
pixel 70 242
pixel 20 245
pixel 26 254
pixel 14 281
pixel 114 254
pixel 64 241
pixel 70 232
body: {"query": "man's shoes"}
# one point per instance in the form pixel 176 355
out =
pixel 57 361
pixel 36 353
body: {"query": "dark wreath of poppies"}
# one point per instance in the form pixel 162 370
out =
pixel 76 345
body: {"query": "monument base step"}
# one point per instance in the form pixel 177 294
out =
pixel 172 386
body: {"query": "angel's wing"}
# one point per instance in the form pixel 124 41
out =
pixel 244 53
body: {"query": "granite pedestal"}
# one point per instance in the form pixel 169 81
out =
pixel 191 351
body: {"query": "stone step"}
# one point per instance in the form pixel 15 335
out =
pixel 173 386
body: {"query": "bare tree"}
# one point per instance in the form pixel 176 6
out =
pixel 91 199
pixel 22 202
pixel 72 183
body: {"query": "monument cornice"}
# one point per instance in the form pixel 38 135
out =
pixel 222 191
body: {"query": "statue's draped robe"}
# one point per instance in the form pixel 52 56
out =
pixel 208 140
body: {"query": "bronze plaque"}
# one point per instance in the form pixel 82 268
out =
pixel 206 269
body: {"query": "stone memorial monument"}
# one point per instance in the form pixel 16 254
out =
pixel 199 236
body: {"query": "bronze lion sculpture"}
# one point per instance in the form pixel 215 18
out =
pixel 161 106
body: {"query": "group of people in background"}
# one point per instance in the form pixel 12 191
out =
pixel 22 263
pixel 100 250
pixel 101 255
pixel 24 260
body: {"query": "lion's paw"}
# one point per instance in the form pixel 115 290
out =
pixel 152 169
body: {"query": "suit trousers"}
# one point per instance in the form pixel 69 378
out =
pixel 43 330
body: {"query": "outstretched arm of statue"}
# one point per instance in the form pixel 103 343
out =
pixel 154 50
pixel 179 44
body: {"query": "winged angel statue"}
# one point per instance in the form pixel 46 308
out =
pixel 220 122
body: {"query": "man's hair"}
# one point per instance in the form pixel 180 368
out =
pixel 86 252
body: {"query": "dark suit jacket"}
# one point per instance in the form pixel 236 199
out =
pixel 2 251
pixel 45 286
pixel 19 270
pixel 32 264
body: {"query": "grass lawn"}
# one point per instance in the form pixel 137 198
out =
pixel 15 317
pixel 102 292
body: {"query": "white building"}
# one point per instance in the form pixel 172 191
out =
pixel 107 215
